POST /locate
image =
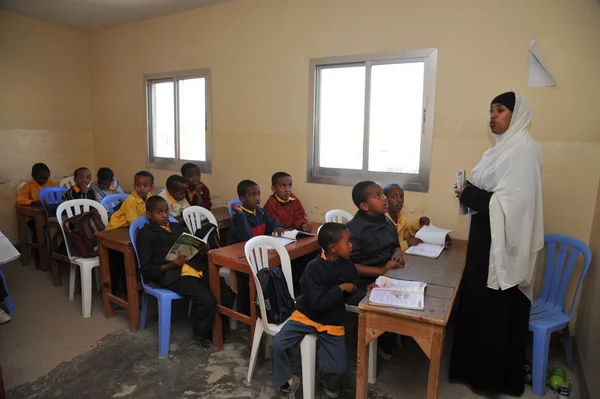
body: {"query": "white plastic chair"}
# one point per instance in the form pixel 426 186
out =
pixel 338 216
pixel 20 186
pixel 257 254
pixel 372 373
pixel 193 216
pixel 86 265
pixel 67 182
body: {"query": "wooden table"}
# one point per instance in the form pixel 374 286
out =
pixel 24 213
pixel 119 240
pixel 427 326
pixel 234 258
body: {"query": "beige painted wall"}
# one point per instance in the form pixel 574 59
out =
pixel 44 105
pixel 588 325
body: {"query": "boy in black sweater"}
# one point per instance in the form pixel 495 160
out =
pixel 326 283
pixel 186 277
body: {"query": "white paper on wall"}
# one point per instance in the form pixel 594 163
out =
pixel 539 72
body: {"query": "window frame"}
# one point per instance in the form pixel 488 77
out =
pixel 156 162
pixel 349 177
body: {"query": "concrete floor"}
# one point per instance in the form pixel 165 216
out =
pixel 49 351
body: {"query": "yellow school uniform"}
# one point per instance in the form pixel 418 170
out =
pixel 186 270
pixel 31 192
pixel 132 208
pixel 405 230
pixel 175 207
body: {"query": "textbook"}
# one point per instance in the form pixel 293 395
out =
pixel 7 251
pixel 398 293
pixel 188 244
pixel 293 234
pixel 461 180
pixel 434 241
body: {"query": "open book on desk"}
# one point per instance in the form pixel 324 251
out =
pixel 188 245
pixel 434 241
pixel 293 234
pixel 398 293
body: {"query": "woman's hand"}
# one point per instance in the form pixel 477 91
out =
pixel 458 191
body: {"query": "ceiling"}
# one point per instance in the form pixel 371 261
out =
pixel 97 14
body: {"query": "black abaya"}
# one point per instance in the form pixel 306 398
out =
pixel 491 325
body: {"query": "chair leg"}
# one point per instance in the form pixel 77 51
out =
pixel 258 332
pixel 86 291
pixel 372 372
pixel 541 345
pixel 72 278
pixel 268 342
pixel 233 323
pixel 144 310
pixel 164 326
pixel 568 347
pixel 10 306
pixel 308 352
pixel 97 275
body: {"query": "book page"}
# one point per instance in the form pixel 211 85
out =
pixel 283 240
pixel 432 235
pixel 396 299
pixel 7 251
pixel 400 285
pixel 186 244
pixel 290 234
pixel 425 250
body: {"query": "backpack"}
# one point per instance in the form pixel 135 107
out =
pixel 278 301
pixel 81 230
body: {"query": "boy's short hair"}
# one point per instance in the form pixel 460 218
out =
pixel 387 188
pixel 39 168
pixel 174 181
pixel 105 174
pixel 152 201
pixel 188 166
pixel 330 233
pixel 144 173
pixel 278 176
pixel 359 192
pixel 243 186
pixel 78 169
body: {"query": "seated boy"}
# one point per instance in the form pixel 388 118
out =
pixel 174 194
pixel 187 277
pixel 285 207
pixel 249 221
pixel 106 184
pixel 133 206
pixel 81 189
pixel 326 283
pixel 30 192
pixel 197 193
pixel 406 231
pixel 375 246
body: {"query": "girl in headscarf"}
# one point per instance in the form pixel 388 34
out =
pixel 506 232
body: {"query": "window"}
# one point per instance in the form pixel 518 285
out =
pixel 373 119
pixel 178 114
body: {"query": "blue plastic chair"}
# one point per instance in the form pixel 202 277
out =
pixel 10 306
pixel 233 202
pixel 163 296
pixel 52 196
pixel 111 201
pixel 547 312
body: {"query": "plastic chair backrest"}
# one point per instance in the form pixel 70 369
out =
pixel 77 207
pixel 133 228
pixel 111 201
pixel 195 215
pixel 558 272
pixel 67 182
pixel 233 202
pixel 20 186
pixel 257 255
pixel 51 196
pixel 338 216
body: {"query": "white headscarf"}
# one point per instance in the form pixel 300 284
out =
pixel 511 170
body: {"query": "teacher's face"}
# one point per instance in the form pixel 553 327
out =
pixel 500 118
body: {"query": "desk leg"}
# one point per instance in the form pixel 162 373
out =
pixel 132 289
pixel 362 360
pixel 215 289
pixel 22 226
pixel 437 344
pixel 54 263
pixel 109 311
pixel 40 223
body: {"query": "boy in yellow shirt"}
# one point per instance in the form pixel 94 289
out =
pixel 406 231
pixel 30 192
pixel 133 206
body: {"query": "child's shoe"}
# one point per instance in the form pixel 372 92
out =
pixel 4 317
pixel 290 391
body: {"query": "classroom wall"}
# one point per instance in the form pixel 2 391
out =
pixel 588 324
pixel 44 105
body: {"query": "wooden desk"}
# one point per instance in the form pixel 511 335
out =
pixel 24 213
pixel 428 326
pixel 223 217
pixel 234 258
